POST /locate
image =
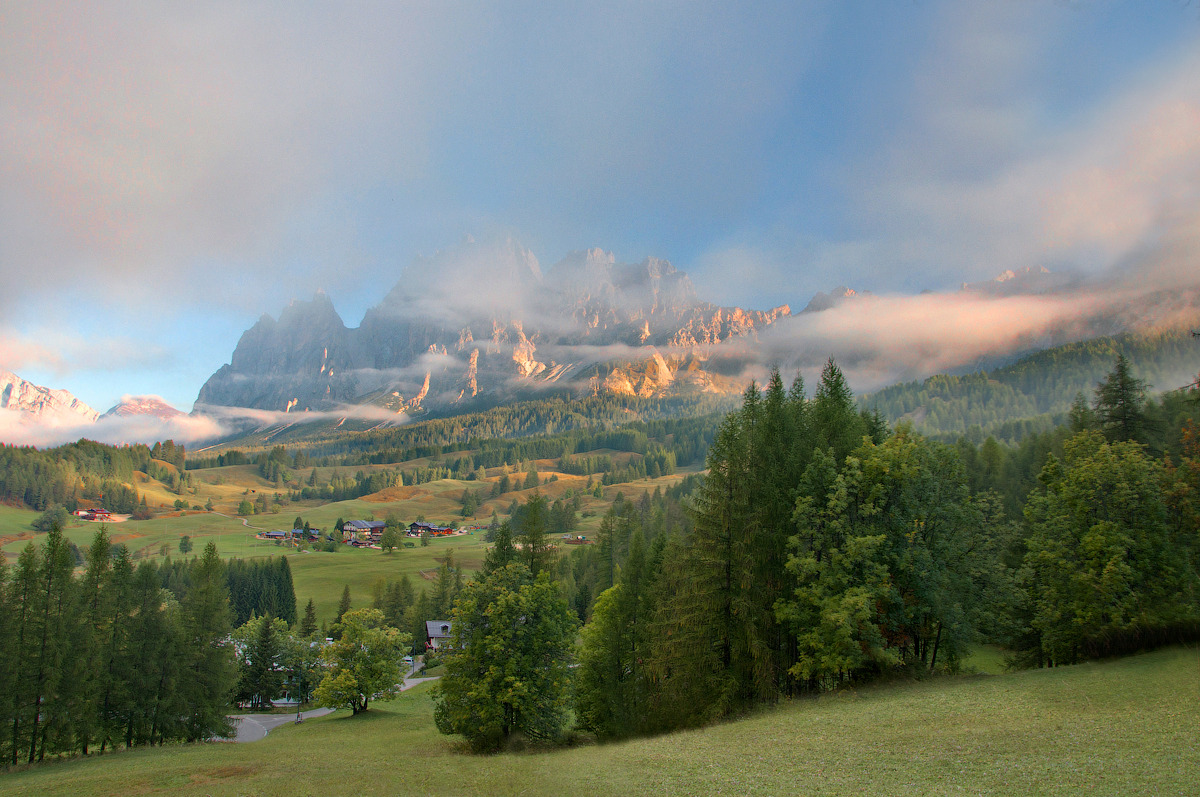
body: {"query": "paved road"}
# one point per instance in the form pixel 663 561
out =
pixel 252 727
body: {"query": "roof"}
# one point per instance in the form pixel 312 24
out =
pixel 364 525
pixel 433 629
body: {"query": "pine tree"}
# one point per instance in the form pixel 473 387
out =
pixel 285 592
pixel 343 604
pixel 90 635
pixel 502 551
pixel 50 712
pixel 211 675
pixel 26 606
pixel 836 423
pixel 535 548
pixel 8 657
pixel 1121 405
pixel 262 644
pixel 115 646
pixel 308 626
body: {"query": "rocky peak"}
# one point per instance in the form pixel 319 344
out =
pixel 1022 281
pixel 42 403
pixel 143 405
pixel 824 301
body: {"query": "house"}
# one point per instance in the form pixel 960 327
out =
pixel 363 530
pixel 417 529
pixel 437 635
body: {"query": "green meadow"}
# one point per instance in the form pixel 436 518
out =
pixel 320 575
pixel 1122 727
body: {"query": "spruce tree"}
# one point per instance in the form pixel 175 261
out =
pixel 211 675
pixel 308 626
pixel 90 635
pixel 1121 405
pixel 285 592
pixel 55 604
pixel 535 548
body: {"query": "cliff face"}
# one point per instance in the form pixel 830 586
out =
pixel 485 321
pixel 42 404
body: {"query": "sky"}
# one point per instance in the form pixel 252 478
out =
pixel 170 172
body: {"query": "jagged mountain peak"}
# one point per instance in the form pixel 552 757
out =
pixel 481 319
pixel 42 403
pixel 824 301
pixel 1022 281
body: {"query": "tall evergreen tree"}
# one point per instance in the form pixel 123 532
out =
pixel 91 632
pixel 8 657
pixel 50 710
pixel 535 547
pixel 285 591
pixel 26 599
pixel 308 626
pixel 211 675
pixel 1121 404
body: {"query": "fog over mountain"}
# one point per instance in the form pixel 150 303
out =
pixel 484 323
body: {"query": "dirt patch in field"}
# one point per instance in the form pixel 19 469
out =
pixel 222 773
pixel 7 538
pixel 396 494
pixel 428 575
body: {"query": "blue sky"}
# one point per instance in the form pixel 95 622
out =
pixel 170 173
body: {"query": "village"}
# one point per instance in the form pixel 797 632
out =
pixel 361 534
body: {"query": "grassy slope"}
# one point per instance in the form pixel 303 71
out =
pixel 1121 727
pixel 317 575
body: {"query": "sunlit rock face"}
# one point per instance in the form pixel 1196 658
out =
pixel 133 406
pixel 42 404
pixel 485 322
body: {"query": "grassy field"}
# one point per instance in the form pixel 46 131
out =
pixel 322 576
pixel 318 575
pixel 1121 727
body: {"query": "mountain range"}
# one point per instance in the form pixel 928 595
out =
pixel 480 325
pixel 490 326
pixel 56 407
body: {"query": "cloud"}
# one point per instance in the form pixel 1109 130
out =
pixel 60 352
pixel 881 340
pixel 980 181
pixel 19 428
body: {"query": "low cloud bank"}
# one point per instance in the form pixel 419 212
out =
pixel 22 429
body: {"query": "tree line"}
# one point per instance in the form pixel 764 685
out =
pixel 822 549
pixel 111 657
pixel 1034 394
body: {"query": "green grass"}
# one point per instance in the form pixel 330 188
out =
pixel 1121 727
pixel 987 659
pixel 322 576
pixel 15 521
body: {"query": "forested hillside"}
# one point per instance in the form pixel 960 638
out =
pixel 826 550
pixel 346 441
pixel 1034 393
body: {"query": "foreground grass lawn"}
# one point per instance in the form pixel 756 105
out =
pixel 1130 726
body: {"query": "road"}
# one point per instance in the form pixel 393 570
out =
pixel 252 727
